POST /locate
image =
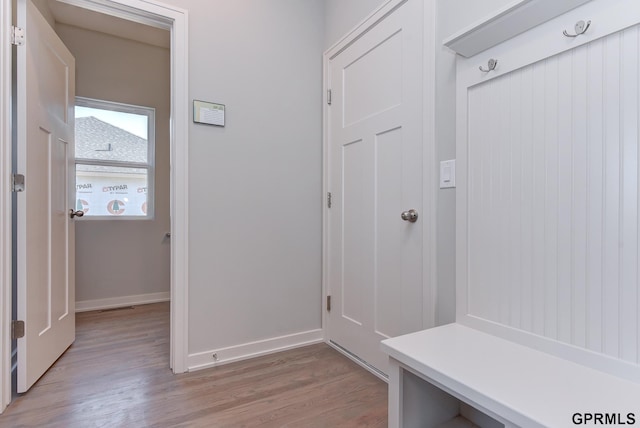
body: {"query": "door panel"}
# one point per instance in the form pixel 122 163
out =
pixel 45 243
pixel 367 93
pixel 389 231
pixel 357 266
pixel 59 230
pixel 375 173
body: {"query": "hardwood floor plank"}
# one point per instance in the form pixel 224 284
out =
pixel 116 374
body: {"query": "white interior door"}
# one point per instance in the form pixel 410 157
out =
pixel 45 244
pixel 375 174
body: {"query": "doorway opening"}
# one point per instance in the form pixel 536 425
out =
pixel 175 21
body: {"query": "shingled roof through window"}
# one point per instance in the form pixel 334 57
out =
pixel 99 140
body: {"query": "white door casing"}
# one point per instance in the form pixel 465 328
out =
pixel 5 202
pixel 45 243
pixel 375 161
pixel 174 19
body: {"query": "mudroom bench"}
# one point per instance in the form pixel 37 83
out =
pixel 451 375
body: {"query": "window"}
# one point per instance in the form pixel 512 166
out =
pixel 114 152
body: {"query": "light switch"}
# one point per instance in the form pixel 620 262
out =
pixel 448 174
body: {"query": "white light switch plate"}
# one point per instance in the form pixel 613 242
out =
pixel 448 174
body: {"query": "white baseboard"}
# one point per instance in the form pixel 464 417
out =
pixel 118 302
pixel 203 360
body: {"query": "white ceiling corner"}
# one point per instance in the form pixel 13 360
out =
pixel 87 19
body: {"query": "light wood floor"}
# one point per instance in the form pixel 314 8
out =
pixel 116 375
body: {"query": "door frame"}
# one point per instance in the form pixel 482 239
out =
pixel 429 167
pixel 5 205
pixel 148 12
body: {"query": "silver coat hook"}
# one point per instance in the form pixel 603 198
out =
pixel 580 28
pixel 491 65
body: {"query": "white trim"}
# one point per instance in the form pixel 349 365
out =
pixel 325 193
pixel 152 11
pixel 119 302
pixel 179 192
pixel 203 360
pixel 461 195
pixel 5 205
pixel 429 169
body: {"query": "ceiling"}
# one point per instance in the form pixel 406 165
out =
pixel 84 18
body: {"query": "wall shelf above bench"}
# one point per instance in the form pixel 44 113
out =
pixel 507 22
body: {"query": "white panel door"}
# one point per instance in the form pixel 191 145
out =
pixel 375 174
pixel 46 292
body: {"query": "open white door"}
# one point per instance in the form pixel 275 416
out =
pixel 45 244
pixel 375 177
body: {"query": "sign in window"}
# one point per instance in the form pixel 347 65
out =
pixel 114 159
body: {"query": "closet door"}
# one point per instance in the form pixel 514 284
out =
pixel 375 175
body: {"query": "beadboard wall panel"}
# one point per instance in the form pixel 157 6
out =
pixel 553 197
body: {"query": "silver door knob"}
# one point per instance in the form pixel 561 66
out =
pixel 73 213
pixel 411 216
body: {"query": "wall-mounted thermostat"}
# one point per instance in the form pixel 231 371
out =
pixel 208 113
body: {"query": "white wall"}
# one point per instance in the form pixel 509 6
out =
pixel 45 11
pixel 341 16
pixel 456 15
pixel 118 258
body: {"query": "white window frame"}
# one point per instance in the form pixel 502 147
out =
pixel 150 112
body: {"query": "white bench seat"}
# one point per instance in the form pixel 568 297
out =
pixel 517 385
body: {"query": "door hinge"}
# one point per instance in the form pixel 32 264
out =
pixel 328 199
pixel 17 36
pixel 329 96
pixel 17 183
pixel 17 329
pixel 328 303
